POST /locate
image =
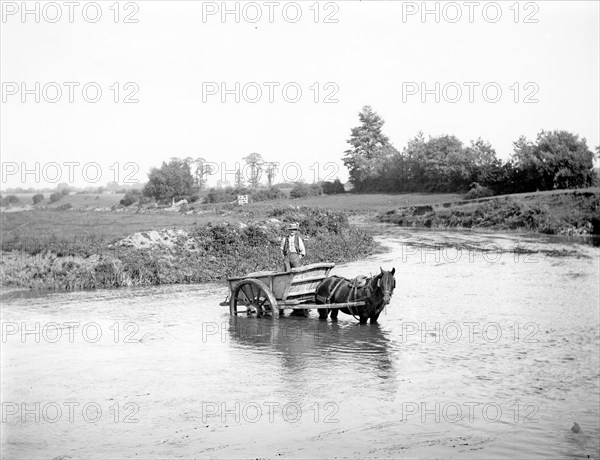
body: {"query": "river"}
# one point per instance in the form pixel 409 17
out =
pixel 488 349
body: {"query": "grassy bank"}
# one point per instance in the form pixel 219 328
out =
pixel 195 253
pixel 569 212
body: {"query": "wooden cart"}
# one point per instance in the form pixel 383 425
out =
pixel 268 292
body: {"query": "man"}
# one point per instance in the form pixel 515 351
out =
pixel 292 248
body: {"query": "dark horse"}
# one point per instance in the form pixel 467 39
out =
pixel 376 292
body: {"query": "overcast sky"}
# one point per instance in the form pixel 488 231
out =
pixel 178 56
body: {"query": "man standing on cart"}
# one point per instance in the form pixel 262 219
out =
pixel 292 248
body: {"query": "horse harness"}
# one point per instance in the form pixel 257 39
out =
pixel 360 282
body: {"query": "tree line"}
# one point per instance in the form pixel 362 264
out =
pixel 556 160
pixel 186 178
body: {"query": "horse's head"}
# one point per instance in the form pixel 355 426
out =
pixel 386 283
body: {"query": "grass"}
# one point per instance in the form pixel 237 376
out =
pixel 96 230
pixel 88 201
pixel 202 253
pixel 363 203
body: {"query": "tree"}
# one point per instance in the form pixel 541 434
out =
pixel 271 171
pixel 202 170
pixel 38 197
pixel 413 163
pixel 255 162
pixel 171 180
pixel 481 153
pixel 557 160
pixel 368 143
pixel 446 165
pixel 239 180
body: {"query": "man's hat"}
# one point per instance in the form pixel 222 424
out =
pixel 292 227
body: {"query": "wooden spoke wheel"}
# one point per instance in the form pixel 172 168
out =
pixel 255 296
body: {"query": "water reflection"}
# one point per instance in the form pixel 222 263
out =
pixel 309 348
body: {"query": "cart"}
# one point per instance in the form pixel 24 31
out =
pixel 268 292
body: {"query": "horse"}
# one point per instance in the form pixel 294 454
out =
pixel 375 291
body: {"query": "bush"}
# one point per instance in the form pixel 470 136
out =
pixel 302 190
pixel 272 193
pixel 55 197
pixel 38 197
pixel 64 206
pixel 130 197
pixel 11 200
pixel 332 188
pixel 478 191
pixel 313 221
pixel 65 191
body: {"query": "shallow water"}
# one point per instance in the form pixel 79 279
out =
pixel 484 352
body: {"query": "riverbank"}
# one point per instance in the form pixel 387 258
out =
pixel 79 249
pixel 561 212
pixel 197 254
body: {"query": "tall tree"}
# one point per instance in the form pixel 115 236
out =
pixel 271 171
pixel 203 169
pixel 239 180
pixel 368 144
pixel 255 162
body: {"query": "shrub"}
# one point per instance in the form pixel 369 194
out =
pixel 478 191
pixel 37 198
pixel 332 188
pixel 55 197
pixel 65 191
pixel 272 193
pixel 130 197
pixel 64 206
pixel 11 200
pixel 313 221
pixel 302 190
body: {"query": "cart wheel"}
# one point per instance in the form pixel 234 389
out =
pixel 255 296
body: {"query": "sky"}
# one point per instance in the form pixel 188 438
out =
pixel 123 86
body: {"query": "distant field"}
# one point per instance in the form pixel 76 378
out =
pixel 52 225
pixel 83 201
pixel 363 203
